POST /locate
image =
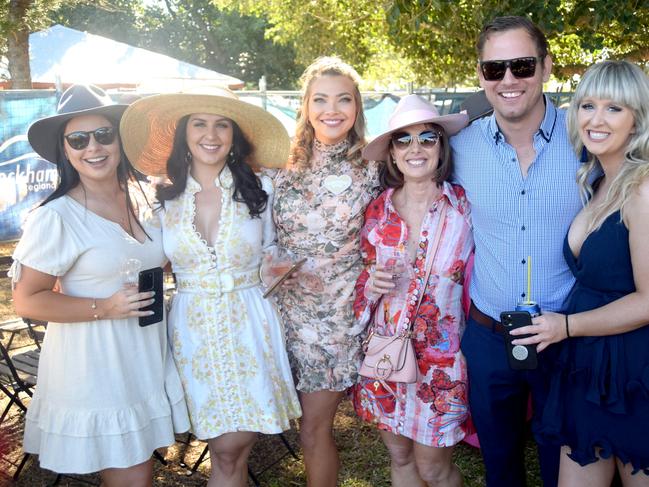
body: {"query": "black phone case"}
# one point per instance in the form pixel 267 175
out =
pixel 151 280
pixel 520 357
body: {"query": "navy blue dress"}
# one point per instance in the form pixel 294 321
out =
pixel 599 394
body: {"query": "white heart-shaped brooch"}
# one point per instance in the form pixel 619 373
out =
pixel 337 184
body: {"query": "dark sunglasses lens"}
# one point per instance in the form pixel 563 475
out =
pixel 105 135
pixel 493 70
pixel 523 67
pixel 78 140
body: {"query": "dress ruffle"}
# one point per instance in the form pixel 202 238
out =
pixel 599 391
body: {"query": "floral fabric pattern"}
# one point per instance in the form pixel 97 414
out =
pixel 319 215
pixel 227 340
pixel 434 410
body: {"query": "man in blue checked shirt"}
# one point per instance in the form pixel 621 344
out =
pixel 518 170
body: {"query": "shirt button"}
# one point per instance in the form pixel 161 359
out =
pixel 523 228
pixel 523 261
pixel 513 159
pixel 522 295
pixel 523 192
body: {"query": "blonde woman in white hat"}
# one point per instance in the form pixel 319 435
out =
pixel 108 393
pixel 226 338
pixel 419 422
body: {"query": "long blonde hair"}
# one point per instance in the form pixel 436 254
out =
pixel 626 84
pixel 302 147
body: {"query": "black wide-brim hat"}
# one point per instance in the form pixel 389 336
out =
pixel 77 100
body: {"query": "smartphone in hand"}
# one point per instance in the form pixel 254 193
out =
pixel 520 357
pixel 151 280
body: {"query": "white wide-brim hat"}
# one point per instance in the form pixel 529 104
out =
pixel 148 126
pixel 412 110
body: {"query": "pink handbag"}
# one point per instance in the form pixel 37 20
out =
pixel 392 358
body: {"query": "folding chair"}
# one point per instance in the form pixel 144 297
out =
pixel 251 474
pixel 36 335
pixel 18 374
pixel 12 328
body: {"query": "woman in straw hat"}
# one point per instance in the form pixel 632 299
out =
pixel 108 393
pixel 419 422
pixel 227 340
pixel 318 209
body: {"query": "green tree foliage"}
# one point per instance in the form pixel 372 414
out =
pixel 439 36
pixel 352 29
pixel 436 38
pixel 17 19
pixel 195 31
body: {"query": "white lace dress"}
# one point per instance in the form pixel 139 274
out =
pixel 227 340
pixel 108 392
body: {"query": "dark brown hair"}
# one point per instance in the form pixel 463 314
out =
pixel 247 186
pixel 391 177
pixel 512 22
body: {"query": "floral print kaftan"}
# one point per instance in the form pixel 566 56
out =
pixel 432 411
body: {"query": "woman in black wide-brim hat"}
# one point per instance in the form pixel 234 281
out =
pixel 108 394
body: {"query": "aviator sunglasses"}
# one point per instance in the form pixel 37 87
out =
pixel 427 139
pixel 80 140
pixel 521 67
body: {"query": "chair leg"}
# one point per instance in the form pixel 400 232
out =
pixel 200 459
pixel 252 477
pixel 57 479
pixel 160 458
pixel 20 467
pixel 288 446
pixel 13 399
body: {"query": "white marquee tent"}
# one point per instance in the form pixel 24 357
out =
pixel 62 56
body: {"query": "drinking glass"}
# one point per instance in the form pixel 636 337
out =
pixel 395 261
pixel 130 271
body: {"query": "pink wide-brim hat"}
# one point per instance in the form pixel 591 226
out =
pixel 412 110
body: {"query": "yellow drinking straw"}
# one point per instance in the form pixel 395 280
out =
pixel 529 279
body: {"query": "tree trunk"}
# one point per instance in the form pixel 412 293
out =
pixel 18 45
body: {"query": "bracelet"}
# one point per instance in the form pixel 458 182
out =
pixel 567 327
pixel 93 306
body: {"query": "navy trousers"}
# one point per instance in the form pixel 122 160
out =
pixel 498 399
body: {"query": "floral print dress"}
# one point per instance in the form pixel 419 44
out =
pixel 319 215
pixel 434 410
pixel 227 341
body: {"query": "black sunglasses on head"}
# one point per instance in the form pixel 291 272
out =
pixel 521 67
pixel 427 139
pixel 79 140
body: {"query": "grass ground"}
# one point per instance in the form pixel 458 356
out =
pixel 364 459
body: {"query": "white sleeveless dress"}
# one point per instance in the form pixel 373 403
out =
pixel 227 340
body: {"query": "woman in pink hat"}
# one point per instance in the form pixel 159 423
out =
pixel 419 422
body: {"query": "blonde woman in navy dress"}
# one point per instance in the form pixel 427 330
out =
pixel 599 402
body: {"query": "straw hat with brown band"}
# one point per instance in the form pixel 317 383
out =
pixel 148 126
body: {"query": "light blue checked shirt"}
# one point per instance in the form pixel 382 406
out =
pixel 516 217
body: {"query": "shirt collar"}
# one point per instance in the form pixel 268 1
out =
pixel 447 191
pixel 546 130
pixel 224 181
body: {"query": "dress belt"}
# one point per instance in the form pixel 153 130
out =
pixel 485 320
pixel 216 282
